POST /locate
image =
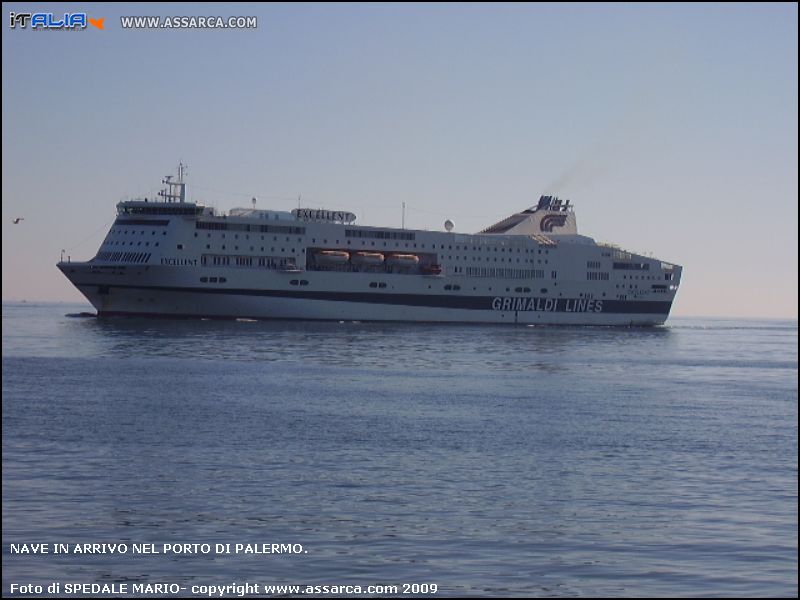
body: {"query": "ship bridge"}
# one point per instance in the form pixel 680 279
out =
pixel 172 200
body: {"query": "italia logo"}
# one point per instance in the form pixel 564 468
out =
pixel 47 20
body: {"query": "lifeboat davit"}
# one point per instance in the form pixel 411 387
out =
pixel 402 260
pixel 367 258
pixel 332 257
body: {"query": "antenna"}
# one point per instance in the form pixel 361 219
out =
pixel 404 216
pixel 175 190
pixel 254 202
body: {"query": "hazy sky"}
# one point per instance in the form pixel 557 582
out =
pixel 672 128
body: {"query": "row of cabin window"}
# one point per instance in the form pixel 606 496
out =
pixel 118 243
pixel 631 266
pixel 252 248
pixel 219 225
pixel 502 260
pixel 512 273
pixel 133 257
pixel 247 237
pixel 266 262
pixel 125 232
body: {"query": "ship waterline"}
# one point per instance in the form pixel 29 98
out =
pixel 176 258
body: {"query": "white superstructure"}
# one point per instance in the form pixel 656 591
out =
pixel 171 257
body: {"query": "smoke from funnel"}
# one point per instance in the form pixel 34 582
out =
pixel 615 148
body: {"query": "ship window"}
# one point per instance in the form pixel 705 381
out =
pixel 381 285
pixel 180 246
pixel 373 284
pixel 222 280
pixel 303 282
pixel 294 282
pixel 212 279
pixel 204 280
pixel 543 290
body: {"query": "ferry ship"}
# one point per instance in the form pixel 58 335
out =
pixel 170 257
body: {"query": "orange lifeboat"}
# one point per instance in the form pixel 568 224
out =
pixel 402 260
pixel 367 258
pixel 332 257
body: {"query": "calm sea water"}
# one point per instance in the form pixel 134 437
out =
pixel 486 460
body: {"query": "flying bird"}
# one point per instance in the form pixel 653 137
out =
pixel 18 219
